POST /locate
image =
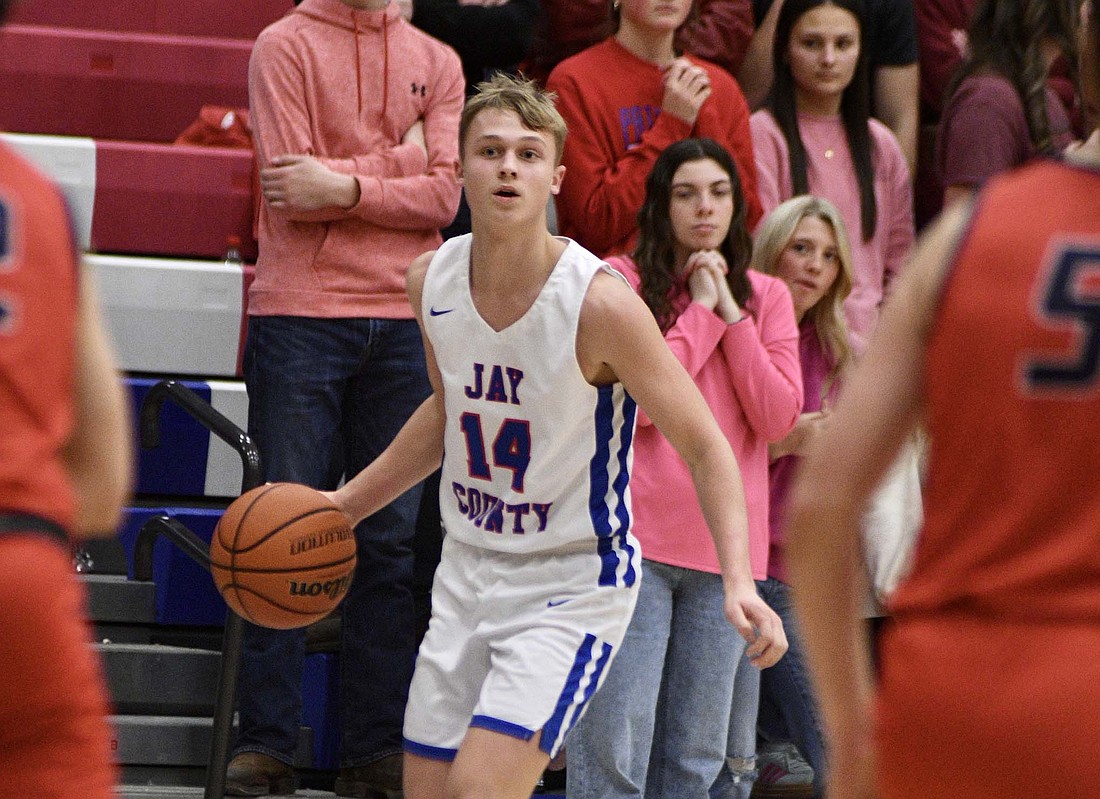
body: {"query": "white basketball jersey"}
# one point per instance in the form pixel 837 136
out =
pixel 536 458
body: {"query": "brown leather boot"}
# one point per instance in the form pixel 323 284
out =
pixel 257 774
pixel 378 780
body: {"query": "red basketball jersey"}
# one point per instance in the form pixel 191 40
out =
pixel 1012 382
pixel 38 302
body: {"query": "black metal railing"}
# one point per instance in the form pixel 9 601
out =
pixel 196 549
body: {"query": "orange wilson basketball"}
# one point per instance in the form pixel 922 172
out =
pixel 282 555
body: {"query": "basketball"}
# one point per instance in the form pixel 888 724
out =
pixel 282 555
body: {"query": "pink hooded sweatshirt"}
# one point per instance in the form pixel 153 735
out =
pixel 345 85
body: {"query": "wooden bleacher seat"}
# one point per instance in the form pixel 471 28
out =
pixel 139 198
pixel 240 19
pixel 171 316
pixel 107 85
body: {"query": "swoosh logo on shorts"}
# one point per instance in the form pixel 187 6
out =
pixel 553 603
pixel 434 312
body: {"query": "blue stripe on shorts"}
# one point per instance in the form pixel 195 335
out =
pixel 568 710
pixel 503 727
pixel 430 752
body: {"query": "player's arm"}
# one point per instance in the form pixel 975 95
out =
pixel 99 455
pixel 880 406
pixel 618 339
pixel 417 450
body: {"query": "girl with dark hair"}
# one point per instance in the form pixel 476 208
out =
pixel 625 100
pixel 815 136
pixel 1001 110
pixel 659 725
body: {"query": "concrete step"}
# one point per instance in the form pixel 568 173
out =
pixel 107 556
pixel 178 741
pixel 151 679
pixel 162 740
pixel 123 633
pixel 173 781
pixel 194 792
pixel 112 598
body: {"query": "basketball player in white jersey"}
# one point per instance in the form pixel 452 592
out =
pixel 533 345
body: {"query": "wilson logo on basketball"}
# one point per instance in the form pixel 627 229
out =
pixel 330 588
pixel 282 555
pixel 320 539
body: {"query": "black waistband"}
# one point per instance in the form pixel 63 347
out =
pixel 29 523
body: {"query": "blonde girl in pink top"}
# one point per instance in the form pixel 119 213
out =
pixel 735 332
pixel 804 243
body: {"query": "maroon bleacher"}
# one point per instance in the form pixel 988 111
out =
pixel 164 199
pixel 111 85
pixel 120 16
pixel 237 19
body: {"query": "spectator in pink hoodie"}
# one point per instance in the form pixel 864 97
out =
pixel 355 114
pixel 659 726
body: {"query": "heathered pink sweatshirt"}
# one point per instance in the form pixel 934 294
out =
pixel 831 174
pixel 815 371
pixel 748 373
pixel 345 85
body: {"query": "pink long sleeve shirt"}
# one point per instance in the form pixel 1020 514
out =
pixel 815 372
pixel 831 174
pixel 749 374
pixel 345 85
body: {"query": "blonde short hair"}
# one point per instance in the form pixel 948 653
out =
pixel 532 104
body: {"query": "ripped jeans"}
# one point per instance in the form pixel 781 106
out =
pixel 736 779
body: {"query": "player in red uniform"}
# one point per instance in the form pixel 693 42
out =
pixel 990 671
pixel 64 471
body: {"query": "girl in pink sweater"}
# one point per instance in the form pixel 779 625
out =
pixel 816 136
pixel 734 330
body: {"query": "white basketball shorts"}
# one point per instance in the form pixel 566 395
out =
pixel 517 643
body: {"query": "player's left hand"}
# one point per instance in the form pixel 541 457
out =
pixel 301 183
pixel 758 624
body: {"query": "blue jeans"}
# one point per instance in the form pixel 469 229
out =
pixel 657 727
pixel 326 396
pixel 788 709
pixel 738 774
